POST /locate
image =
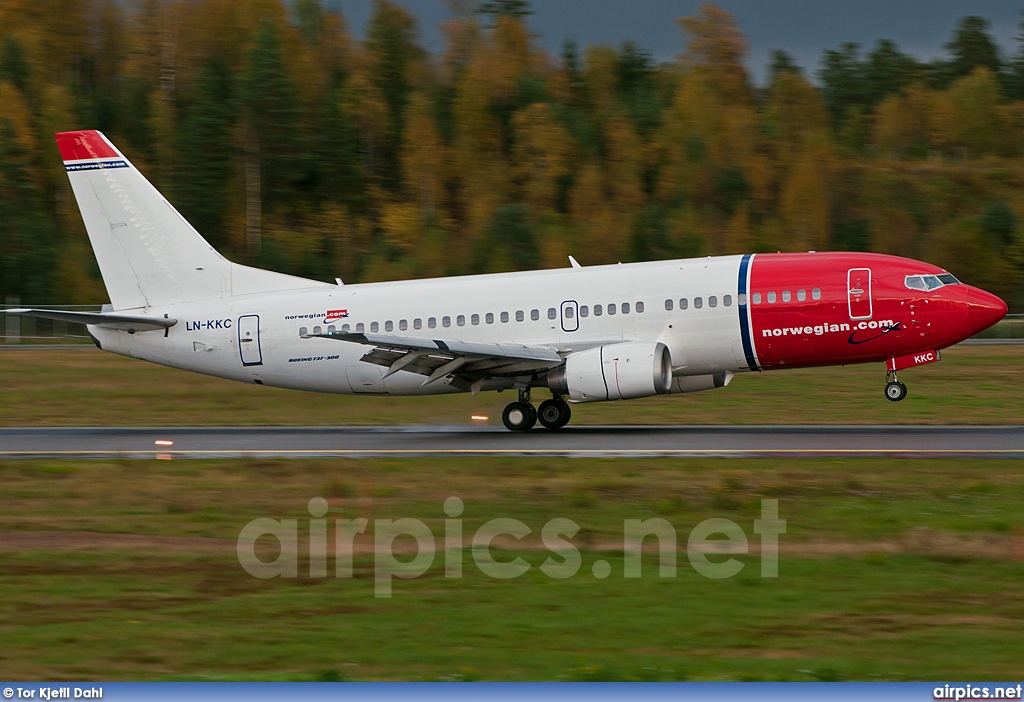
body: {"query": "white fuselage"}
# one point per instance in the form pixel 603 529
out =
pixel 210 335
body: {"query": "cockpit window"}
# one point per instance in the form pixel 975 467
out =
pixel 929 282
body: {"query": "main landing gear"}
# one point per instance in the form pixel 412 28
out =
pixel 894 389
pixel 521 415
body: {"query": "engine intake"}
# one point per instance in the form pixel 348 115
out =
pixel 614 372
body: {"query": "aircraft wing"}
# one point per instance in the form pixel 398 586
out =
pixel 108 320
pixel 437 358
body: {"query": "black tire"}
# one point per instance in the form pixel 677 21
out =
pixel 894 392
pixel 554 414
pixel 519 416
pixel 549 413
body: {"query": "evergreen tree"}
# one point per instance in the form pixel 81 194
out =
pixel 888 71
pixel 844 81
pixel 391 41
pixel 272 109
pixel 506 8
pixel 27 231
pixel 781 62
pixel 205 153
pixel 971 47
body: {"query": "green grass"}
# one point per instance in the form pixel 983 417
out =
pixel 890 570
pixel 971 385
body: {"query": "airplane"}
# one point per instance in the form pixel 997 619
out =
pixel 585 333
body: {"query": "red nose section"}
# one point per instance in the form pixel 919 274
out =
pixel 983 310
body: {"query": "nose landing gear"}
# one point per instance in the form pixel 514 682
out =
pixel 522 415
pixel 894 389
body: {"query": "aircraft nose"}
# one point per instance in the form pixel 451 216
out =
pixel 984 309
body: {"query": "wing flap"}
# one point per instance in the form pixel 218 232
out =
pixel 439 346
pixel 435 358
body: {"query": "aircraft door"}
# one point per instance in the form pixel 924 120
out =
pixel 249 340
pixel 858 291
pixel 570 316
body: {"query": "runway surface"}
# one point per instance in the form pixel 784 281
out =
pixel 313 442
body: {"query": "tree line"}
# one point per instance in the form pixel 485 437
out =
pixel 292 145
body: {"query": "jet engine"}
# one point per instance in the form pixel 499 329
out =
pixel 614 372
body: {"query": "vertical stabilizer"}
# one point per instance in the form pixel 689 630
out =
pixel 148 254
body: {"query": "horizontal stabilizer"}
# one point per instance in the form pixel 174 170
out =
pixel 101 319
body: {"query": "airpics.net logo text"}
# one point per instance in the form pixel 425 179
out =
pixel 711 537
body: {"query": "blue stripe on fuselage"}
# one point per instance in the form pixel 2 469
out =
pixel 748 345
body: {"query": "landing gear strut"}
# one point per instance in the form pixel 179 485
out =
pixel 894 389
pixel 554 413
pixel 521 415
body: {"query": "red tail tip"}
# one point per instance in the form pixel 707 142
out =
pixel 75 146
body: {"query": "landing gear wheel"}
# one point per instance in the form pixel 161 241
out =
pixel 554 414
pixel 519 416
pixel 895 391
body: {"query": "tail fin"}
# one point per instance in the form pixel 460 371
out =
pixel 148 254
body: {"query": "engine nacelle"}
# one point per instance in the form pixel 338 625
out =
pixel 696 383
pixel 614 372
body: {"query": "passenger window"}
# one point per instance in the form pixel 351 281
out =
pixel 317 330
pixel 504 317
pixel 403 325
pixel 374 327
pixel 534 315
pixel 461 320
pixel 727 300
pixel 611 308
pixel 801 295
pixel 757 298
pixel 816 294
pixel 684 303
pixel 668 305
pixel 786 296
pixel 417 323
pixel 520 316
pixel 598 310
pixel 713 301
pixel 741 299
pixel 331 329
pixel 345 328
pixel 303 331
pixel 431 322
pixel 360 328
pixel 489 318
pixel 568 312
pixel 389 325
pixel 698 302
pixel 639 308
pixel 446 321
pixel 625 308
pixel 475 319
pixel 771 297
pixel 552 313
pixel 584 311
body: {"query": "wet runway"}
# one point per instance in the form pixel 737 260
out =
pixel 312 442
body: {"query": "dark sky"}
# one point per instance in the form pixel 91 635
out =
pixel 804 28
